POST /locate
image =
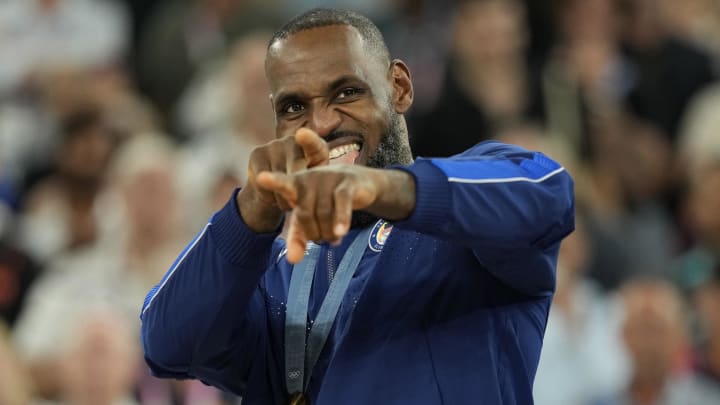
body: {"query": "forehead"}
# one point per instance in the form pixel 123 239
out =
pixel 315 56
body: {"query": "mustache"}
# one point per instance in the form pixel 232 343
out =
pixel 343 134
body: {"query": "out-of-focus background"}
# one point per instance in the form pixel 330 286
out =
pixel 125 124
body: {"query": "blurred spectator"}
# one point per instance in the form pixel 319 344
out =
pixel 148 235
pixel 656 339
pixel 17 273
pixel 230 101
pixel 40 35
pixel 423 22
pixel 627 180
pixel 631 230
pixel 669 71
pixel 77 286
pixel 229 113
pixel 702 218
pixel 696 21
pixel 58 212
pixel 582 356
pixel 377 10
pixel 138 235
pixel 182 36
pixel 8 205
pixel 15 387
pixel 224 185
pixel 707 301
pixel 29 124
pixel 487 85
pixel 64 92
pixel 148 230
pixel 698 140
pixel 98 361
pixel 586 75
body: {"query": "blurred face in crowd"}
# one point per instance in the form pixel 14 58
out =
pixel 586 20
pixel 144 172
pixel 487 30
pixel 247 75
pixel 99 365
pixel 653 329
pixel 85 154
pixel 636 154
pixel 150 197
pixel 326 79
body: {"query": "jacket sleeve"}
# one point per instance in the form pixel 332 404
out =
pixel 206 318
pixel 512 207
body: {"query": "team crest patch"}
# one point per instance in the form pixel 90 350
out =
pixel 379 235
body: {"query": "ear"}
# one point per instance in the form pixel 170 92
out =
pixel 402 96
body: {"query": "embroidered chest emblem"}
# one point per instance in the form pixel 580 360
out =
pixel 379 235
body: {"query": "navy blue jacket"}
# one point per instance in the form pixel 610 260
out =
pixel 448 307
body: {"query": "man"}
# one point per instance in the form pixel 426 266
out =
pixel 655 336
pixel 443 300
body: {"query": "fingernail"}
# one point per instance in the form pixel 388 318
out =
pixel 340 230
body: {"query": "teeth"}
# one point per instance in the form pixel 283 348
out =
pixel 343 149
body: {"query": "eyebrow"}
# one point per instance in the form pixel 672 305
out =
pixel 342 80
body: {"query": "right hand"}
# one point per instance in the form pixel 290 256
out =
pixel 262 210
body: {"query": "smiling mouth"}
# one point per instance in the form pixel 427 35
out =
pixel 345 154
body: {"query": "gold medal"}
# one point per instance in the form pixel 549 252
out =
pixel 298 398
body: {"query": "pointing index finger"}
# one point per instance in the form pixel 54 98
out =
pixel 314 147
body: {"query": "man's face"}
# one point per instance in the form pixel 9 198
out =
pixel 326 80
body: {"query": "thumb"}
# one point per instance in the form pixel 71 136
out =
pixel 314 148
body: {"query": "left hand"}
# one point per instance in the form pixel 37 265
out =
pixel 322 200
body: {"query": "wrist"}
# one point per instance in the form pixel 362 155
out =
pixel 258 215
pixel 396 194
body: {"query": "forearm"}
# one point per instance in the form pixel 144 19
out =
pixel 207 294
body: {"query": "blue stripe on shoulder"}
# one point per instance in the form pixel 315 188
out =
pixel 487 169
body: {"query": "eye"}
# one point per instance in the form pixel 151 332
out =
pixel 349 92
pixel 292 107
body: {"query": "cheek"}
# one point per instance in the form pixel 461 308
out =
pixel 375 122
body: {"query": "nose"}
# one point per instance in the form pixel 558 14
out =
pixel 324 120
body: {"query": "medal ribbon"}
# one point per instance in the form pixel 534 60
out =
pixel 299 358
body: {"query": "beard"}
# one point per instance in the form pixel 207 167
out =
pixel 393 149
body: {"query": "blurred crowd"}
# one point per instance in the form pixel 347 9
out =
pixel 125 124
